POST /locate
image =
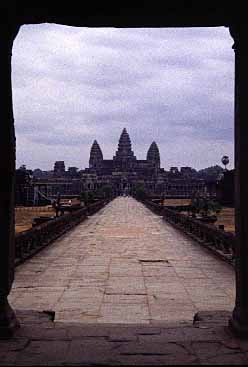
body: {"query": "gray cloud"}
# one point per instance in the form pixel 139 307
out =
pixel 72 85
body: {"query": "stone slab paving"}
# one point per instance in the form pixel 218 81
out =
pixel 124 265
pixel 40 341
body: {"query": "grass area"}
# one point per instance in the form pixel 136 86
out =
pixel 25 215
pixel 227 218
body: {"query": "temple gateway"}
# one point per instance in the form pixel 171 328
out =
pixel 180 14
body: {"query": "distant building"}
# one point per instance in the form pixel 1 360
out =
pixel 123 174
pixel 59 168
pixel 174 170
pixel 73 172
pixel 125 171
pixel 188 172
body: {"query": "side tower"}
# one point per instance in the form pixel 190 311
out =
pixel 96 156
pixel 153 155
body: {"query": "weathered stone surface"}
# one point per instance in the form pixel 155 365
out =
pixel 124 265
pixel 134 313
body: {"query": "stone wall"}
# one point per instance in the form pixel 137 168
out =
pixel 28 243
pixel 219 242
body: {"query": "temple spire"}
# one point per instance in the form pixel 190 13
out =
pixel 124 146
pixel 153 154
pixel 96 155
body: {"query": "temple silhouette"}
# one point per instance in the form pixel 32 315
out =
pixel 123 175
pixel 125 172
pixel 124 159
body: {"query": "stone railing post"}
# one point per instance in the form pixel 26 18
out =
pixel 8 321
pixel 239 320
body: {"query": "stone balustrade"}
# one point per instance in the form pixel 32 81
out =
pixel 28 243
pixel 219 242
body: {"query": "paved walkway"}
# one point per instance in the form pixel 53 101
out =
pixel 124 265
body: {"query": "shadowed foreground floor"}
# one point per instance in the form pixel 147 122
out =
pixel 43 342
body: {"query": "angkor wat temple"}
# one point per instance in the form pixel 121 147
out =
pixel 123 174
pixel 124 159
pixel 125 171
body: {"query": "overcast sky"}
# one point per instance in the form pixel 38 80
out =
pixel 74 85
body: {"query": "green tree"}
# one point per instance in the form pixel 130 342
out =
pixel 204 205
pixel 87 197
pixel 210 172
pixel 106 191
pixel 140 192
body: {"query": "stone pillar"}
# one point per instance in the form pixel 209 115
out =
pixel 8 321
pixel 239 320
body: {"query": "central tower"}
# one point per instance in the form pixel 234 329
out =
pixel 124 157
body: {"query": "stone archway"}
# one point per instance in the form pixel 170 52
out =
pixel 181 14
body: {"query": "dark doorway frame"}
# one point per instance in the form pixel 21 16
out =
pixel 175 14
